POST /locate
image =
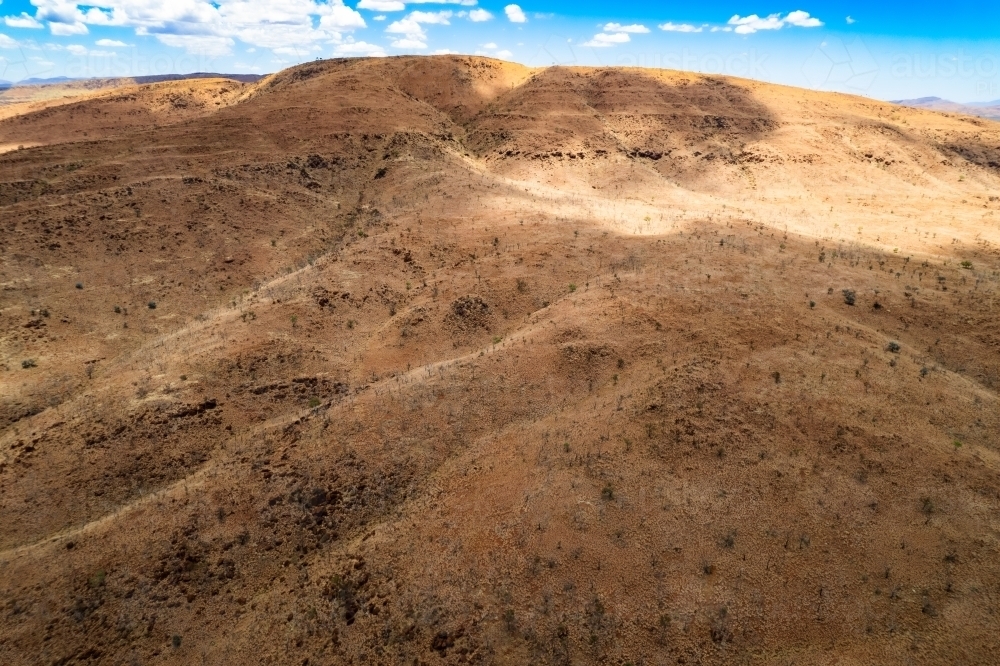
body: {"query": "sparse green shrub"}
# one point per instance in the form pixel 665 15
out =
pixel 314 402
pixel 97 580
pixel 151 305
pixel 522 286
pixel 849 296
pixel 893 347
pixel 118 309
pixel 572 287
pixel 967 265
pixel 79 285
pixel 608 493
pixel 28 363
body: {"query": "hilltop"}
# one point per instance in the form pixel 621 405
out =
pixel 449 360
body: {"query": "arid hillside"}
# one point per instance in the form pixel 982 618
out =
pixel 114 109
pixel 446 360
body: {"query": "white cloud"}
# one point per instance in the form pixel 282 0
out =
pixel 65 29
pixel 407 43
pixel 445 52
pixel 464 3
pixel 207 45
pixel 6 42
pixel 110 43
pixel 680 27
pixel 479 15
pixel 210 26
pixel 851 21
pixel 382 5
pixel 748 25
pixel 22 21
pixel 81 51
pixel 803 20
pixel 635 28
pixel 411 26
pixel 380 17
pixel 360 49
pixel 491 49
pixel 515 14
pixel 604 40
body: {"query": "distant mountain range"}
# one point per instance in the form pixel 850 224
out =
pixel 142 80
pixel 989 110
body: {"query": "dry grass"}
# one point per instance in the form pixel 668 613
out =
pixel 370 420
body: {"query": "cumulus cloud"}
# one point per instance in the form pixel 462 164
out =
pixel 479 15
pixel 679 27
pixel 515 14
pixel 360 49
pixel 464 3
pixel 748 25
pixel 382 5
pixel 110 43
pixel 22 21
pixel 7 42
pixel 605 40
pixel 210 26
pixel 803 20
pixel 635 28
pixel 407 44
pixel 411 28
pixel 65 29
pixel 80 51
pixel 207 45
pixel 400 5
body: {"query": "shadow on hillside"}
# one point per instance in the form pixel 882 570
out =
pixel 628 111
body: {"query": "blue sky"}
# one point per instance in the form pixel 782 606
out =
pixel 884 50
